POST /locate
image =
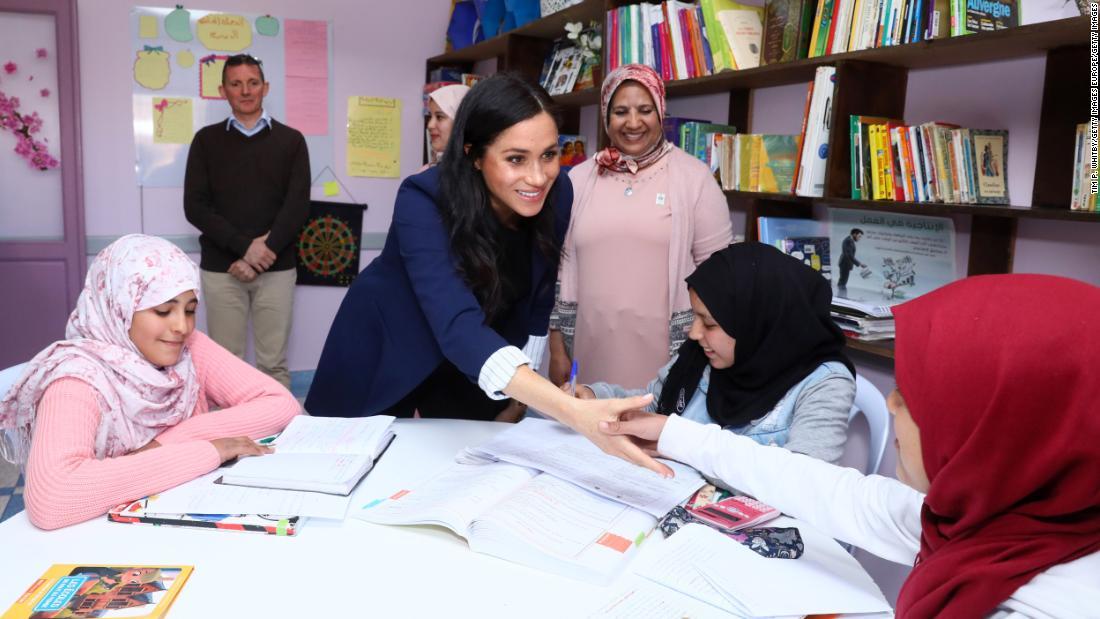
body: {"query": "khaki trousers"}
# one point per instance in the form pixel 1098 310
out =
pixel 269 299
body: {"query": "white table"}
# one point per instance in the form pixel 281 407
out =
pixel 330 569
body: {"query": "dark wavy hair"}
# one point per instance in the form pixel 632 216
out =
pixel 490 108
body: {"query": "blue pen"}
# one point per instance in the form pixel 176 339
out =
pixel 573 379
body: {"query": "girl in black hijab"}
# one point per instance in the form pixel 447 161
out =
pixel 764 357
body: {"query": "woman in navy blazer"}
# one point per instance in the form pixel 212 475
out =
pixel 465 280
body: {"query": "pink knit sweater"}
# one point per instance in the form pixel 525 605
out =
pixel 66 484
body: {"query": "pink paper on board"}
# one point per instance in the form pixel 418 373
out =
pixel 307 104
pixel 305 44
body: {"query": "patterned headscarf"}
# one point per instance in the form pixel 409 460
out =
pixel 137 399
pixel 611 158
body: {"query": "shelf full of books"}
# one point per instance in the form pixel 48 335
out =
pixel 935 168
pixel 683 40
pixel 932 162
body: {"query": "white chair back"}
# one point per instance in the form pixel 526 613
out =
pixel 9 376
pixel 872 405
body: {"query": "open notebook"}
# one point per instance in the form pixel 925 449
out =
pixel 318 454
pixel 524 516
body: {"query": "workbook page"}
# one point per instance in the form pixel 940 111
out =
pixel 453 498
pixel 553 525
pixel 554 515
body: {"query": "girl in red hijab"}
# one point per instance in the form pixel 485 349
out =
pixel 997 421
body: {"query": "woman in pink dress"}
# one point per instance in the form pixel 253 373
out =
pixel 645 214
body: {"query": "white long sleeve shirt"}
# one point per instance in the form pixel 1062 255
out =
pixel 876 513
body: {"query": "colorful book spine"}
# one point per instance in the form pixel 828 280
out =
pixel 802 135
pixel 855 161
pixel 837 7
pixel 704 38
pixel 716 36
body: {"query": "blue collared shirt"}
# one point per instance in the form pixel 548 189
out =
pixel 261 124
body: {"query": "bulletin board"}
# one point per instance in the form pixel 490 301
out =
pixel 176 59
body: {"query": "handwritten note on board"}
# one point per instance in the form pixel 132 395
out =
pixel 374 137
pixel 224 32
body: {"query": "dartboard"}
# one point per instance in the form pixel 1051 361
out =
pixel 327 246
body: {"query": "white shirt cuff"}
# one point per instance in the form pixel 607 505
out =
pixel 499 369
pixel 535 349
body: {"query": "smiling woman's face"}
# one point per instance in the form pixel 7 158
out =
pixel 634 125
pixel 717 344
pixel 160 331
pixel 520 166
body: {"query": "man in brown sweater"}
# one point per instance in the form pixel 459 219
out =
pixel 247 191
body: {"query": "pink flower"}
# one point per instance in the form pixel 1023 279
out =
pixel 36 153
pixel 10 67
pixel 33 122
pixel 45 92
pixel 24 147
pixel 41 52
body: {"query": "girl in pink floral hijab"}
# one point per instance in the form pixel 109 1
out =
pixel 121 408
pixel 134 273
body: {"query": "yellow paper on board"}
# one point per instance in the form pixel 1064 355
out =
pixel 147 26
pixel 172 120
pixel 152 68
pixel 210 76
pixel 332 188
pixel 374 137
pixel 224 32
pixel 185 59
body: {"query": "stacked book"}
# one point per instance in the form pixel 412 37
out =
pixel 860 321
pixel 683 40
pixel 932 162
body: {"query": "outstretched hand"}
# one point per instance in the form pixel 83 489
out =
pixel 643 429
pixel 594 414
